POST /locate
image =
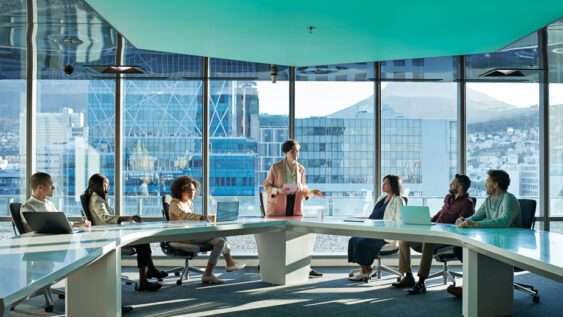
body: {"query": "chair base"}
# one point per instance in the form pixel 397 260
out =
pixel 446 274
pixel 380 268
pixel 183 273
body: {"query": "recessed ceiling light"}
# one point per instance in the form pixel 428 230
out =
pixel 118 69
pixel 508 72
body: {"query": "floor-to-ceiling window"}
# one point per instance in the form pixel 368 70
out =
pixel 162 128
pixel 419 126
pixel 13 118
pixel 555 58
pixel 75 119
pixel 335 125
pixel 248 120
pixel 334 120
pixel 503 118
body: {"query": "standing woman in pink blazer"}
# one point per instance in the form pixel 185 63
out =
pixel 286 184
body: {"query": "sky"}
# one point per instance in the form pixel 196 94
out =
pixel 333 96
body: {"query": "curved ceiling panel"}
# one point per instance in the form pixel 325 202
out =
pixel 313 32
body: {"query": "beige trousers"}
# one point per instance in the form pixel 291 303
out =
pixel 426 249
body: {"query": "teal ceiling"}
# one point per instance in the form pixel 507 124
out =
pixel 276 31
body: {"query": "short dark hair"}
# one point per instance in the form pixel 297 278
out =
pixel 288 145
pixel 395 183
pixel 96 185
pixel 464 181
pixel 40 178
pixel 500 177
pixel 181 184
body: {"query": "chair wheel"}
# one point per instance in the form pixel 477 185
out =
pixel 179 282
pixel 536 299
pixel 49 309
pixel 176 274
pixel 61 296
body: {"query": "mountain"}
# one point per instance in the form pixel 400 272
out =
pixel 434 101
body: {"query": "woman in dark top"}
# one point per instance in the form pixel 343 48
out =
pixel 364 250
pixel 98 187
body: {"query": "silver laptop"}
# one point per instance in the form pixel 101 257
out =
pixel 227 211
pixel 415 215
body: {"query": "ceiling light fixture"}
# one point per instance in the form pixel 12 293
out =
pixel 118 69
pixel 509 72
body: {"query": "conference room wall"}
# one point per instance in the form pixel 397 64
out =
pixel 98 46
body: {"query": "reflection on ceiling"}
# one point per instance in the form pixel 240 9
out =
pixel 70 32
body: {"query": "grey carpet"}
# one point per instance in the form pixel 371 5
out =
pixel 332 295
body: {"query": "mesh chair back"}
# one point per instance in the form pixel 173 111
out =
pixel 17 218
pixel 85 202
pixel 527 213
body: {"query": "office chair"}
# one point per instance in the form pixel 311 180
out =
pixel 379 268
pixel 187 251
pixel 125 251
pixel 19 229
pixel 444 255
pixel 528 220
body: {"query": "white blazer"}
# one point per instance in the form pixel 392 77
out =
pixel 392 213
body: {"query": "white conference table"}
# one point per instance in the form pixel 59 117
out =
pixel 90 261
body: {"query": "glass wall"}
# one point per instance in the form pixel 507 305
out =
pixel 503 133
pixel 248 121
pixel 503 117
pixel 13 109
pixel 419 126
pixel 555 58
pixel 419 141
pixel 75 120
pixel 335 125
pixel 75 136
pixel 162 128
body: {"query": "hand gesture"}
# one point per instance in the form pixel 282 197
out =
pixel 316 192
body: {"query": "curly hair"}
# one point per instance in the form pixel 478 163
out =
pixel 181 185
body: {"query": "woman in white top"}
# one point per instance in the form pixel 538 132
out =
pixel 101 214
pixel 183 191
pixel 364 250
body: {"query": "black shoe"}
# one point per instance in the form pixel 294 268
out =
pixel 418 288
pixel 314 273
pixel 148 287
pixel 456 291
pixel 154 273
pixel 407 281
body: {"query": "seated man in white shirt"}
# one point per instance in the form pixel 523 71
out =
pixel 42 188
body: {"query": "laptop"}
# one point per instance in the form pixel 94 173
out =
pixel 415 215
pixel 227 211
pixel 48 222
